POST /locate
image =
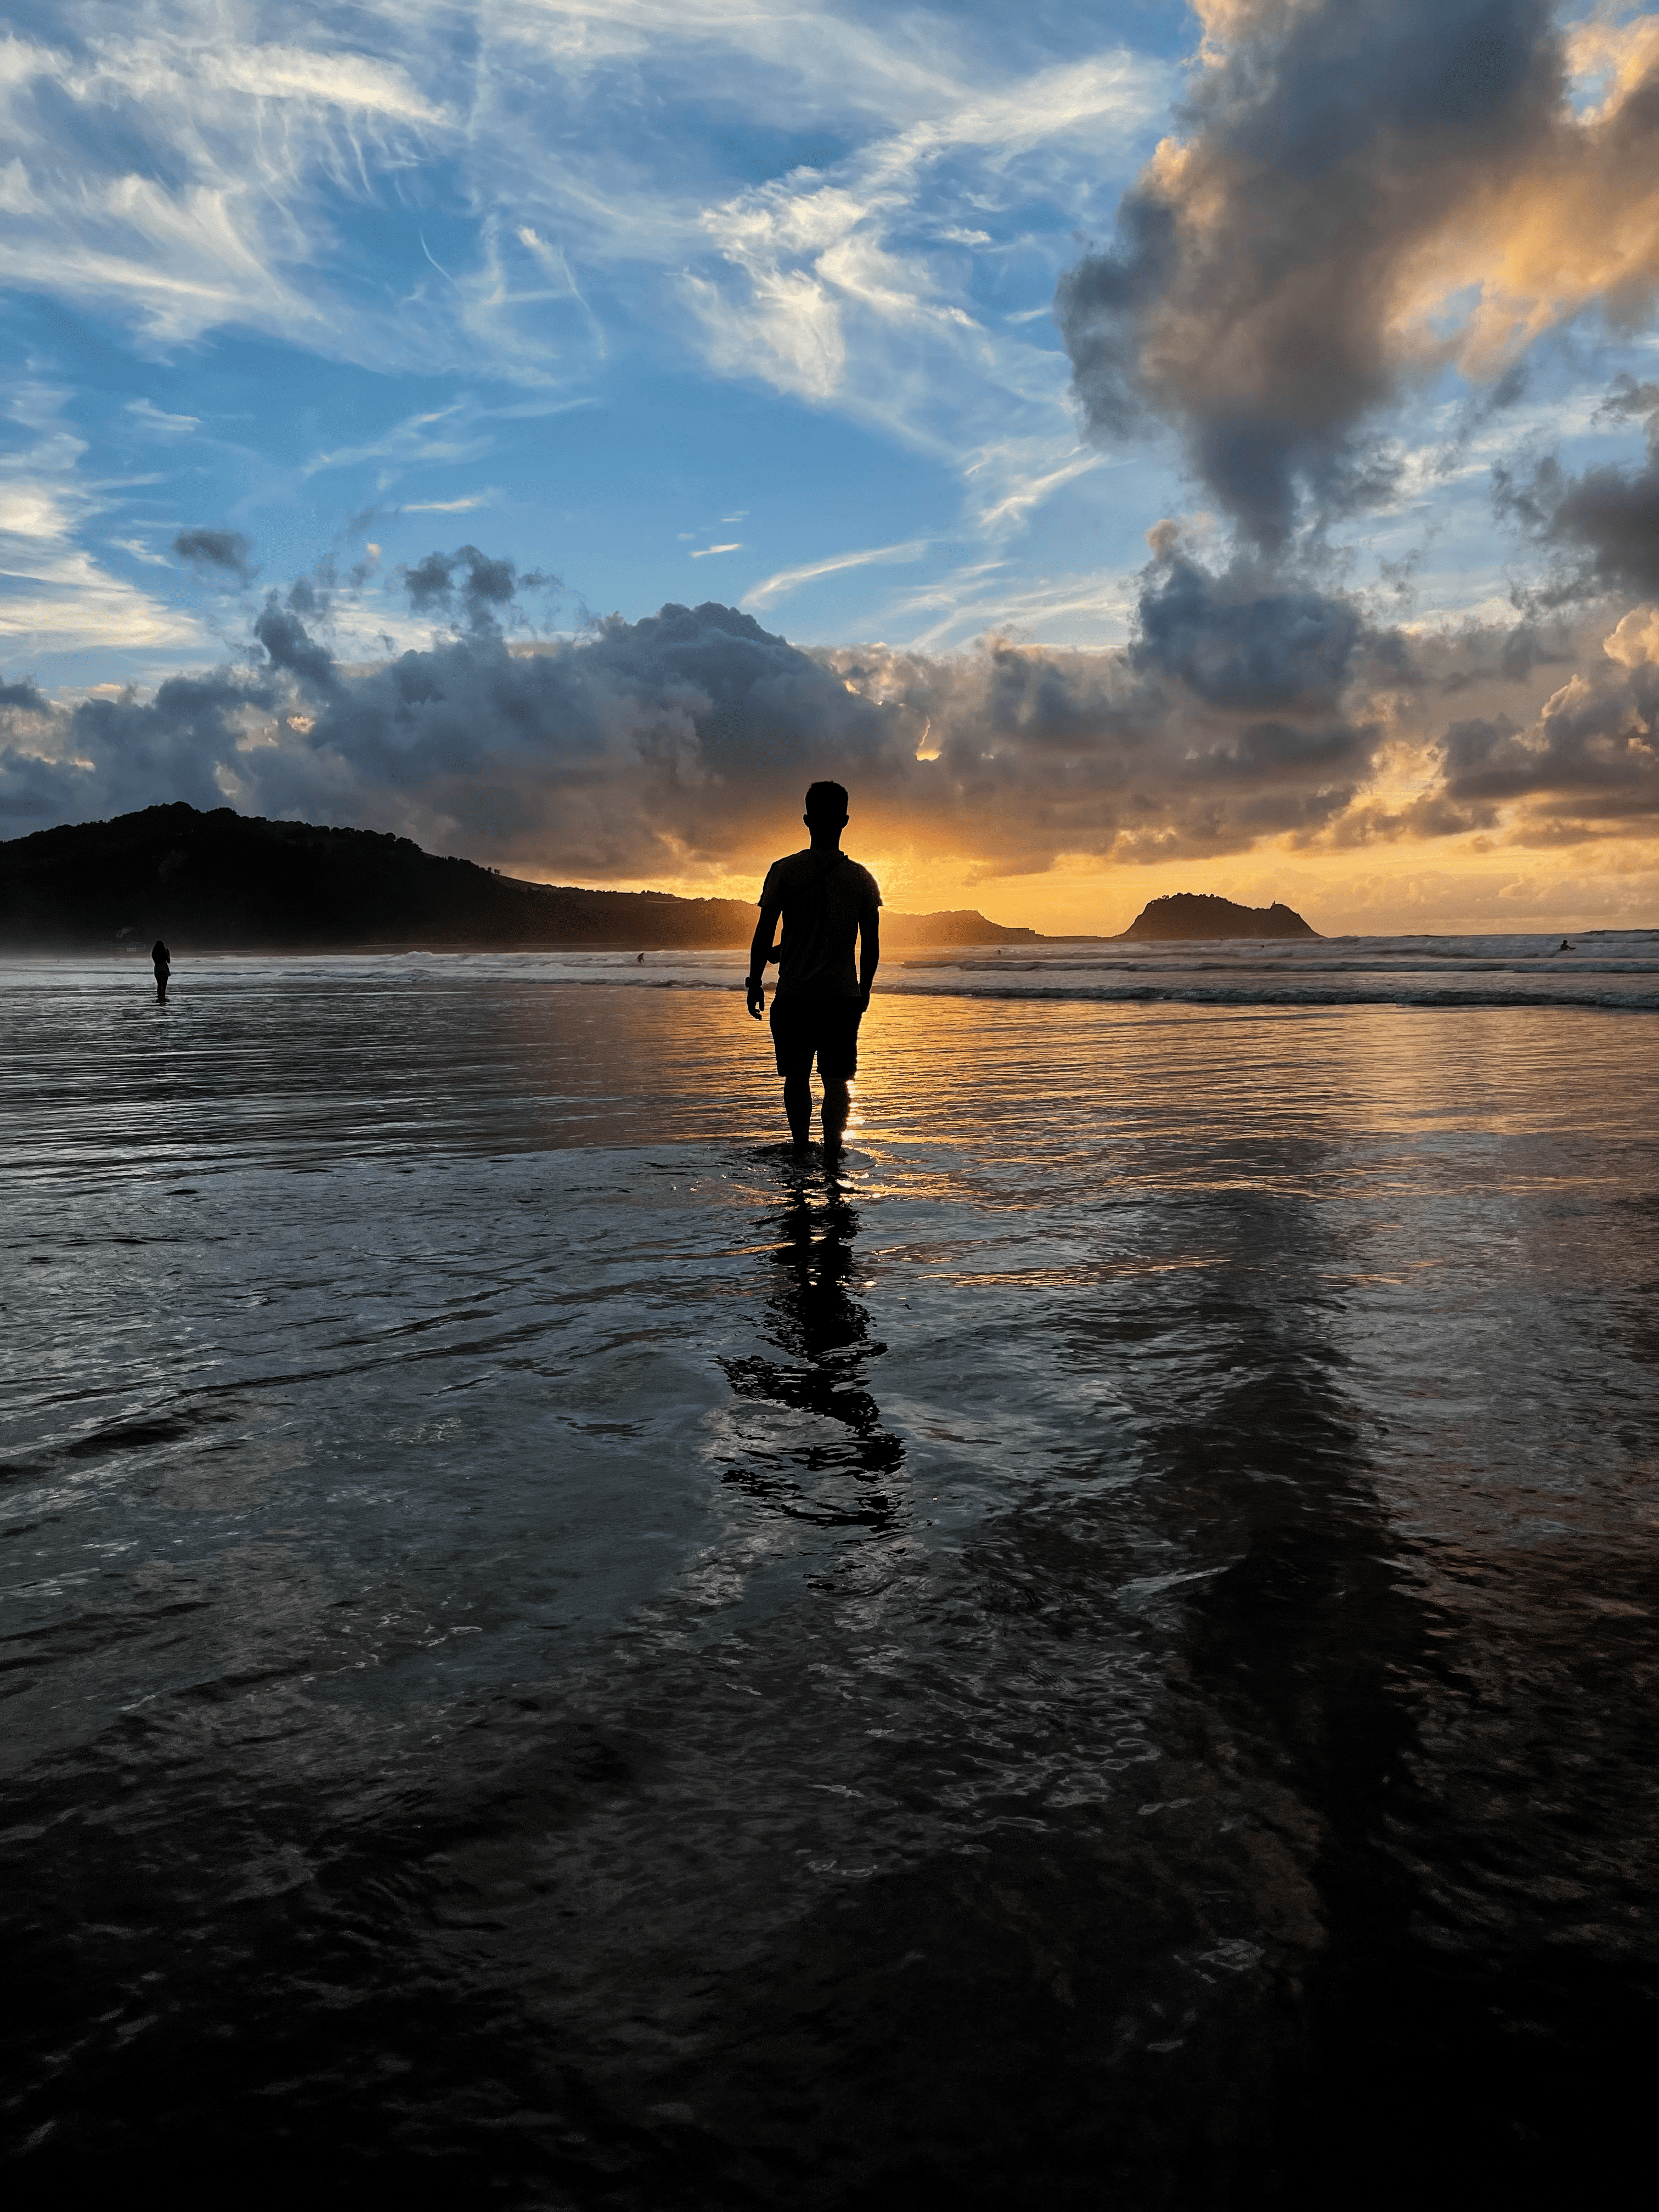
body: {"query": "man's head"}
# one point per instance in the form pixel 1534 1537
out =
pixel 826 806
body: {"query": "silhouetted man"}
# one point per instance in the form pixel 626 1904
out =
pixel 162 960
pixel 826 901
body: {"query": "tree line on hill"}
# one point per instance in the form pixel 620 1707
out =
pixel 225 882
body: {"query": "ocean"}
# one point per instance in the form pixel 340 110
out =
pixel 1101 1654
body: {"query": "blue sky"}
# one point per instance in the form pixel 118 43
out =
pixel 602 287
pixel 685 301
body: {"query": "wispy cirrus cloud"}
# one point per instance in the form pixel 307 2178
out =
pixel 836 287
pixel 772 588
pixel 439 434
pixel 481 194
pixel 216 164
pixel 55 591
pixel 166 165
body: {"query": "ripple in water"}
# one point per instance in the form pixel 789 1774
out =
pixel 556 1659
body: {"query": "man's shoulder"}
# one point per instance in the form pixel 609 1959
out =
pixel 810 867
pixel 792 865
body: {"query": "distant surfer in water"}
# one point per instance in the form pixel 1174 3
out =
pixel 826 901
pixel 162 961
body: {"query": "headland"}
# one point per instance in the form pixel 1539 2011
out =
pixel 1188 914
pixel 224 881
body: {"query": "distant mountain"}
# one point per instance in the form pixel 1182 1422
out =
pixel 226 881
pixel 1200 913
pixel 957 926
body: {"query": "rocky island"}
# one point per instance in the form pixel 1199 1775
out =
pixel 1186 914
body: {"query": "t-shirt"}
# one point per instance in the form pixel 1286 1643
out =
pixel 825 902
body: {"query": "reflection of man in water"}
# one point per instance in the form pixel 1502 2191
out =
pixel 826 901
pixel 163 961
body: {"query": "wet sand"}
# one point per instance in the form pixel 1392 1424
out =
pixel 1098 1657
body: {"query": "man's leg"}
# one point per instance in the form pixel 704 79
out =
pixel 794 1059
pixel 838 1062
pixel 797 1105
pixel 837 1105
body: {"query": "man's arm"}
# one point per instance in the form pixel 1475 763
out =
pixel 869 952
pixel 765 929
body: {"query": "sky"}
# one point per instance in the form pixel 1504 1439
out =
pixel 1136 448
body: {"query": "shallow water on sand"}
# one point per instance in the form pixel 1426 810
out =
pixel 1103 1655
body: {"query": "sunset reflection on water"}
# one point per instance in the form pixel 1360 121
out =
pixel 1103 1637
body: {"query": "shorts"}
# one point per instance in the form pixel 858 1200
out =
pixel 827 1028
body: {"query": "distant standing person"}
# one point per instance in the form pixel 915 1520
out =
pixel 162 960
pixel 826 900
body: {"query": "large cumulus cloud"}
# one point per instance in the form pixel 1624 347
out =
pixel 1600 527
pixel 1244 708
pixel 681 742
pixel 633 749
pixel 1235 712
pixel 1587 767
pixel 1364 189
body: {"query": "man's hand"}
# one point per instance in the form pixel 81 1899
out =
pixel 759 953
pixel 869 957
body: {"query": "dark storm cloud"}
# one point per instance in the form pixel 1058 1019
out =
pixel 311 597
pixel 1240 709
pixel 292 649
pixel 1630 401
pixel 1222 722
pixel 1251 297
pixel 1600 527
pixel 170 744
pixel 1242 642
pixel 35 789
pixel 613 754
pixel 646 747
pixel 1589 764
pixel 487 588
pixel 227 551
pixel 624 751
